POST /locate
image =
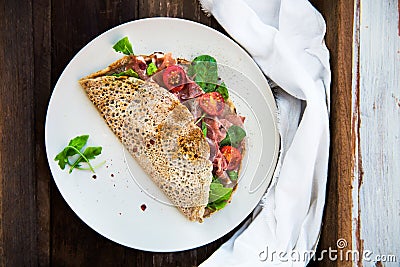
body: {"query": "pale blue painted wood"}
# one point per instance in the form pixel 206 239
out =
pixel 378 198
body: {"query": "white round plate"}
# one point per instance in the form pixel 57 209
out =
pixel 111 203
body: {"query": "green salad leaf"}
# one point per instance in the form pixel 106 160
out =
pixel 219 195
pixel 151 69
pixel 205 72
pixel 129 72
pixel 233 175
pixel 88 154
pixel 124 46
pixel 234 136
pixel 73 148
pixel 74 144
pixel 204 128
pixel 223 90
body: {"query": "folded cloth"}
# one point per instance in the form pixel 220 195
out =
pixel 286 39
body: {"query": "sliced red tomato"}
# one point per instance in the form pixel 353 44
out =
pixel 174 78
pixel 232 156
pixel 212 103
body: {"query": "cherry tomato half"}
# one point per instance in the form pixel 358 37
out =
pixel 232 156
pixel 212 103
pixel 174 78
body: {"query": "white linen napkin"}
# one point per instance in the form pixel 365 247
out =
pixel 286 40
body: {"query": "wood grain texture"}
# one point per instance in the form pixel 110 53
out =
pixel 379 107
pixel 187 9
pixel 357 242
pixel 17 145
pixel 41 95
pixel 337 221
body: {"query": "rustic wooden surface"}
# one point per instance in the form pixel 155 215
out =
pixel 378 209
pixel 38 39
pixel 337 222
pixel 363 200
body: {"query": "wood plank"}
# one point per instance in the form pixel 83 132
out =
pixel 363 161
pixel 18 223
pixel 186 9
pixel 71 32
pixel 337 222
pixel 378 192
pixel 42 92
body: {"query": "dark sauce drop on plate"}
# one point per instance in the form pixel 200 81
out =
pixel 143 207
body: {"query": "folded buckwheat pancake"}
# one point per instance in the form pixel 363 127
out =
pixel 160 134
pixel 176 119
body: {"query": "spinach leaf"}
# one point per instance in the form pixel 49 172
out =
pixel 151 69
pixel 233 175
pixel 204 128
pixel 129 72
pixel 223 90
pixel 205 72
pixel 234 136
pixel 124 46
pixel 219 196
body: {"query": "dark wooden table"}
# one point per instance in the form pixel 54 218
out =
pixel 37 40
